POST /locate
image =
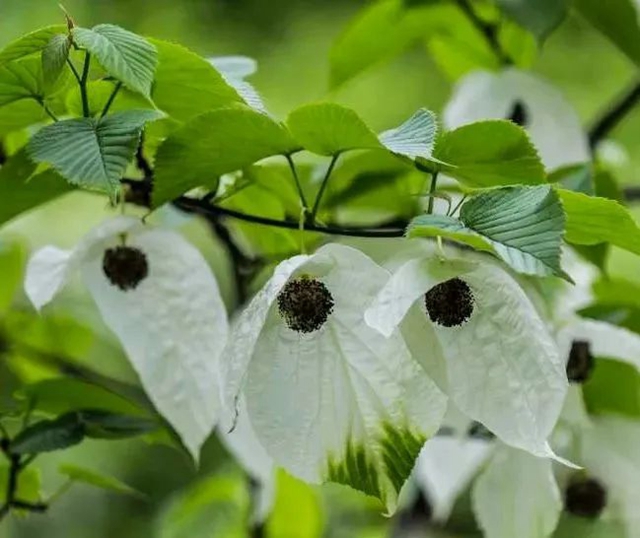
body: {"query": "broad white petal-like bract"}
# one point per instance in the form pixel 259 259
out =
pixel 517 495
pixel 173 325
pixel 341 404
pixel 445 468
pixel 502 366
pixel 552 123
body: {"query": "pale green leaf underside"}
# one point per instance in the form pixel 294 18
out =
pixel 330 129
pixel 123 54
pixel 21 80
pixel 30 44
pixel 592 220
pixel 216 143
pixel 54 57
pixel 488 154
pixel 90 152
pixel 522 226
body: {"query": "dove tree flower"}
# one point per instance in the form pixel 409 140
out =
pixel 474 330
pixel 528 100
pixel 157 294
pixel 329 398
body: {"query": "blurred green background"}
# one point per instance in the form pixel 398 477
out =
pixel 291 40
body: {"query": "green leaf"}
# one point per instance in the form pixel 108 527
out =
pixel 523 226
pixel 216 143
pixel 297 512
pixel 30 44
pixel 592 220
pixel 12 261
pixel 49 435
pixel 92 152
pixel 126 56
pixel 614 387
pixel 490 153
pixel 24 79
pixel 215 506
pixel 62 395
pixel 54 58
pixel 186 85
pixel 98 480
pixel 618 20
pixel 539 16
pixel 330 129
pixel 381 31
pixel 102 424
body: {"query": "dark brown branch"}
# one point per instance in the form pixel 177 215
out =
pixel 614 114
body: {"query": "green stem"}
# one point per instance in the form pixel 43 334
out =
pixel 83 85
pixel 296 178
pixel 74 70
pixel 47 110
pixel 323 186
pixel 112 98
pixel 432 191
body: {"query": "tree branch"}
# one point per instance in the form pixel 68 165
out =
pixel 614 114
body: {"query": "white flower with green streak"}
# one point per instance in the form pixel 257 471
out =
pixel 500 366
pixel 164 306
pixel 331 400
pixel 553 125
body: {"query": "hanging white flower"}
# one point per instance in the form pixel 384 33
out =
pixel 329 398
pixel 157 294
pixel 501 366
pixel 552 123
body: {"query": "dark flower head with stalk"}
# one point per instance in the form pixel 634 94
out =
pixel 329 398
pixel 156 292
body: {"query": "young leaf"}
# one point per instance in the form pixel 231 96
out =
pixel 23 79
pixel 49 435
pixel 98 480
pixel 330 129
pixel 54 58
pixel 618 20
pixel 92 152
pixel 490 153
pixel 124 55
pixel 101 424
pixel 521 225
pixel 539 16
pixel 30 44
pixel 215 143
pixel 592 220
pixel 187 85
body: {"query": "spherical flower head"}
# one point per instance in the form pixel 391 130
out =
pixel 449 303
pixel 305 304
pixel 580 363
pixel 585 497
pixel 125 267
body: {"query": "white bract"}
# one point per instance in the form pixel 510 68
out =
pixel 340 403
pixel 501 366
pixel 552 123
pixel 173 325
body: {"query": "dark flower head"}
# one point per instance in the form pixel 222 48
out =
pixel 449 303
pixel 519 114
pixel 580 363
pixel 305 304
pixel 585 497
pixel 125 267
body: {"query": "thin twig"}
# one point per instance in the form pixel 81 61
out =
pixel 112 98
pixel 193 205
pixel 323 186
pixel 296 178
pixel 432 191
pixel 614 114
pixel 490 31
